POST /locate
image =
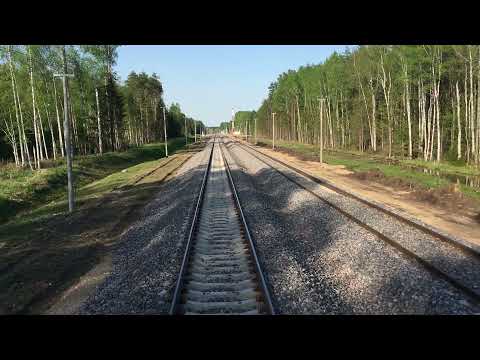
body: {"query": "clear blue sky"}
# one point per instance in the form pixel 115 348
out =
pixel 207 81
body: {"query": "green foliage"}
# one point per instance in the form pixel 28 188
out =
pixel 127 114
pixel 243 121
pixel 355 86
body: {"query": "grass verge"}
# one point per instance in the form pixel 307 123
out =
pixel 368 167
pixel 24 189
pixel 44 251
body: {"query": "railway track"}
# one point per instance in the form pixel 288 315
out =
pixel 429 249
pixel 220 271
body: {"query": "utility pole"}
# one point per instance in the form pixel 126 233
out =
pixel 233 122
pixel 99 124
pixel 66 130
pixel 255 130
pixel 195 126
pixel 186 139
pixel 165 131
pixel 273 132
pixel 321 100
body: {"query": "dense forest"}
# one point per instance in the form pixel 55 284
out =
pixel 403 101
pixel 105 114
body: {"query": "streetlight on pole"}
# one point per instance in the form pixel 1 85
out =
pixel 273 132
pixel 321 100
pixel 165 131
pixel 66 130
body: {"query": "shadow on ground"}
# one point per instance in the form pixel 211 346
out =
pixel 318 262
pixel 315 261
pixel 42 257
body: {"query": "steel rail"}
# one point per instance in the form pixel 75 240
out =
pixel 258 269
pixel 464 247
pixel 473 295
pixel 186 255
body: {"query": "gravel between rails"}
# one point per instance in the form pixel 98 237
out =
pixel 459 264
pixel 317 261
pixel 148 257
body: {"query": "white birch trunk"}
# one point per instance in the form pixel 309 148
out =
pixel 35 125
pixel 459 125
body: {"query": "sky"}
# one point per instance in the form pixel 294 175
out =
pixel 208 81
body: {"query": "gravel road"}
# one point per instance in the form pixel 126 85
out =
pixel 148 257
pixel 317 261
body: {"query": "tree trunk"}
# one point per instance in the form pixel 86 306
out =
pixel 459 125
pixel 35 125
pixel 472 116
pixel 439 143
pixel 17 117
pixel 25 142
pixel 467 119
pixel 409 120
pixel 99 123
pixel 54 143
pixel 386 92
pixel 9 131
pixel 42 133
pixel 478 110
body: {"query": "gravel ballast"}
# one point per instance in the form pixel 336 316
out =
pixel 148 257
pixel 450 259
pixel 317 261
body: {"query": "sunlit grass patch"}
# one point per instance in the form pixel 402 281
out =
pixel 368 164
pixel 24 189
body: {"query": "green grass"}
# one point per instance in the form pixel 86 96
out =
pixel 451 167
pixel 368 162
pixel 92 190
pixel 44 250
pixel 24 189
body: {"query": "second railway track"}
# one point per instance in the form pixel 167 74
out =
pixel 220 272
pixel 455 264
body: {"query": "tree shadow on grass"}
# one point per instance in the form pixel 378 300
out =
pixel 41 257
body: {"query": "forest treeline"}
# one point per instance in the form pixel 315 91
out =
pixel 408 101
pixel 105 114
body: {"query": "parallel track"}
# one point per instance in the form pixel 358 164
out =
pixel 474 295
pixel 458 243
pixel 220 272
